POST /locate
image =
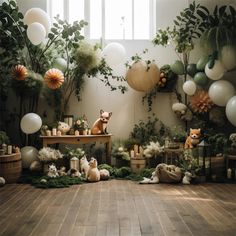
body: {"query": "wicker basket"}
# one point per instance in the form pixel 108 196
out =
pixel 11 167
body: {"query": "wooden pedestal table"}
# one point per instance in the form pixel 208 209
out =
pixel 81 139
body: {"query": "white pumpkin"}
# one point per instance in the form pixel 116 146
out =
pixel 143 77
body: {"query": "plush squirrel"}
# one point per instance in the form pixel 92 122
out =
pixel 84 166
pixel 93 172
pixel 187 178
pixel 100 125
pixel 193 139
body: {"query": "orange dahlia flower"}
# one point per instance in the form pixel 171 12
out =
pixel 19 72
pixel 201 102
pixel 54 78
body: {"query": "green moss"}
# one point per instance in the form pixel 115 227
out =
pixel 47 182
pixel 39 181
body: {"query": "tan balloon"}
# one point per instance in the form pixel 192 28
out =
pixel 143 77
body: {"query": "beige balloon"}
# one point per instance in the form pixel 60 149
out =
pixel 143 77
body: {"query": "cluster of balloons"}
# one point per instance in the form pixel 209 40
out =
pixel 38 23
pixel 30 124
pixel 221 92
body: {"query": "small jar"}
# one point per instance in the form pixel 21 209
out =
pixel 48 132
pixel 9 149
pixel 77 133
pixel 54 132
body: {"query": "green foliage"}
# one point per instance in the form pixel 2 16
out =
pixel 189 162
pixel 64 41
pixel 220 28
pixel 219 142
pixel 4 138
pixel 147 172
pixel 74 152
pixel 178 134
pixel 119 151
pixel 122 172
pixel 47 182
pixel 187 27
pixel 107 167
pixel 107 76
pixel 144 132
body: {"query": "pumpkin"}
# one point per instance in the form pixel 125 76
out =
pixel 142 76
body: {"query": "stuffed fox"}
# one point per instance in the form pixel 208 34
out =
pixel 100 125
pixel 193 139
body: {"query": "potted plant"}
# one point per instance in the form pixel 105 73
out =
pixel 48 156
pixel 151 152
pixel 81 124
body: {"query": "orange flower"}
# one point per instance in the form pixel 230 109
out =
pixel 201 102
pixel 19 72
pixel 54 78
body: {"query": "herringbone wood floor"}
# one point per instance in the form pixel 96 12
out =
pixel 118 207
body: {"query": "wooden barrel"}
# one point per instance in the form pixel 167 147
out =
pixel 10 167
pixel 137 164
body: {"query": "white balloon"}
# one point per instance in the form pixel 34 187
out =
pixel 36 33
pixel 114 54
pixel 60 63
pixel 189 87
pixel 228 57
pixel 29 154
pixel 220 92
pixel 216 72
pixel 38 15
pixel 30 123
pixel 231 110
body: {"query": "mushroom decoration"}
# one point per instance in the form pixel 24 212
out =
pixel 143 76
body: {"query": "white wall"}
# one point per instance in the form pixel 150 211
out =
pixel 128 109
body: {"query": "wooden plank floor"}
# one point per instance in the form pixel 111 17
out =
pixel 118 207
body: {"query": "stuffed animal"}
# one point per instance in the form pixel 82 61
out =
pixel 93 172
pixel 2 181
pixel 232 138
pixel 100 125
pixel 182 111
pixel 43 130
pixel 104 174
pixel 84 166
pixel 193 139
pixel 73 173
pixel 52 171
pixel 62 171
pixel 153 180
pixel 63 127
pixel 187 178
